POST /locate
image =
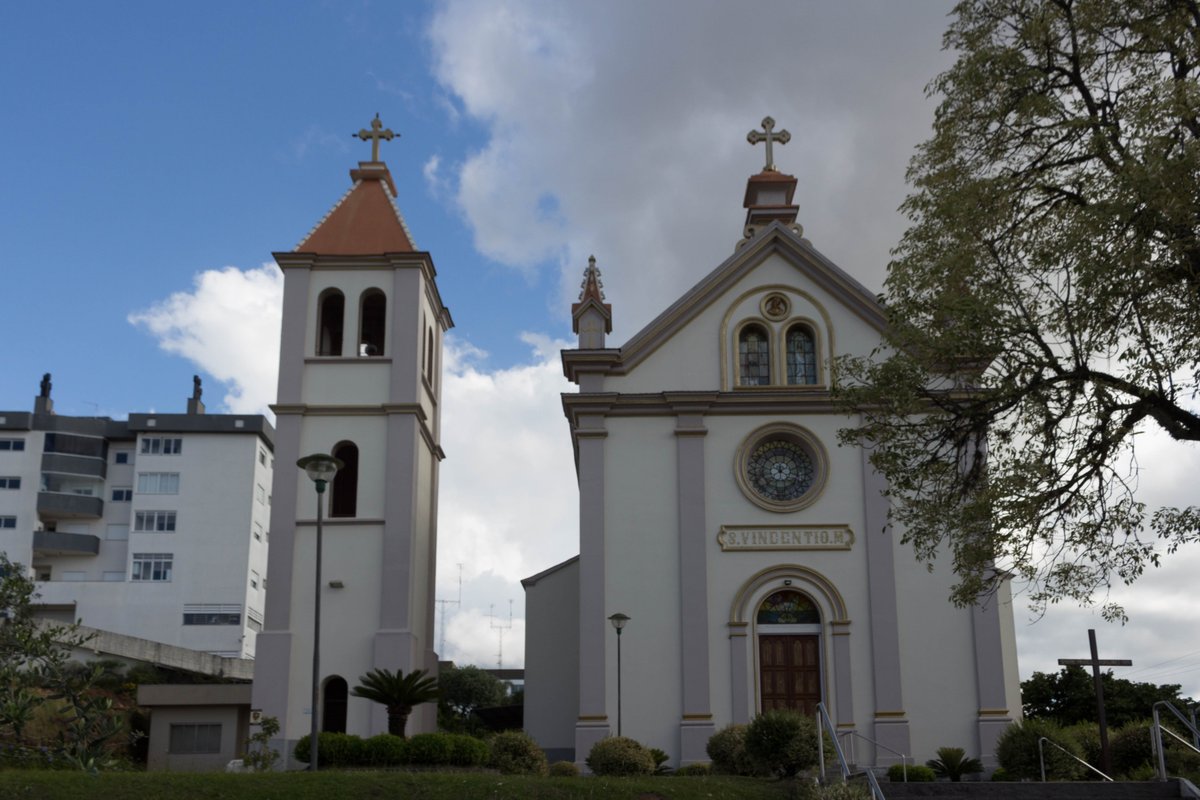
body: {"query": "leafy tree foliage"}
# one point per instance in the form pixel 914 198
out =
pixel 464 689
pixel 1045 302
pixel 398 692
pixel 1068 697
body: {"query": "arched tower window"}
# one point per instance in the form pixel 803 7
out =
pixel 333 708
pixel 801 355
pixel 429 356
pixel 372 322
pixel 344 500
pixel 754 357
pixel 331 315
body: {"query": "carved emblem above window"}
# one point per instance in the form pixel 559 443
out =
pixel 775 307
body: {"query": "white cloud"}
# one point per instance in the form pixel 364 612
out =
pixel 228 326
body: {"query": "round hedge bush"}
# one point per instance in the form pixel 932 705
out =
pixel 384 750
pixel 564 769
pixel 782 742
pixel 620 755
pixel 696 770
pixel 1017 751
pixel 430 749
pixel 917 773
pixel 336 749
pixel 467 751
pixel 727 749
pixel 516 753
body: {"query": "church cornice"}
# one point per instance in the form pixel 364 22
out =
pixel 772 401
pixel 413 409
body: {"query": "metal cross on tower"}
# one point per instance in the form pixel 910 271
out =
pixel 378 132
pixel 769 135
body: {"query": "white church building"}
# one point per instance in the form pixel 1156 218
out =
pixel 749 549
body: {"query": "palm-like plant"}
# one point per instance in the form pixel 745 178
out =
pixel 398 693
pixel 953 763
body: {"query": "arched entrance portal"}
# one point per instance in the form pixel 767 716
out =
pixel 788 627
pixel 333 714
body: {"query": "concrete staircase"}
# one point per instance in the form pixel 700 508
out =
pixel 1079 790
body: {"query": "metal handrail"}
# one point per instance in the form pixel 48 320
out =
pixel 903 758
pixel 1157 729
pixel 1042 760
pixel 823 720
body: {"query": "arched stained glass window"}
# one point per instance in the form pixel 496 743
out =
pixel 801 356
pixel 788 607
pixel 331 313
pixel 754 357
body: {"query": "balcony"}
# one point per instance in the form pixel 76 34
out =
pixel 52 543
pixel 59 505
pixel 74 465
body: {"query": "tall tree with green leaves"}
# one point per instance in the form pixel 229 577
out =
pixel 1068 697
pixel 1044 304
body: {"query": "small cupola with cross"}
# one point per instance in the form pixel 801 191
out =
pixel 769 193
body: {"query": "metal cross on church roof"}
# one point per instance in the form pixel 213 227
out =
pixel 768 135
pixel 376 133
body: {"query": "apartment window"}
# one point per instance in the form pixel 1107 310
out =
pixel 262 457
pixel 73 445
pixel 151 567
pixel 158 483
pixel 74 576
pixel 254 578
pixel 8 522
pixel 10 483
pixel 154 521
pixel 195 739
pixel 12 444
pixel 117 533
pixel 258 532
pixel 122 495
pixel 260 494
pixel 114 577
pixel 212 614
pixel 41 572
pixel 121 457
pixel 162 446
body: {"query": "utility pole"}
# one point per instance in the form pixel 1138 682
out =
pixel 500 629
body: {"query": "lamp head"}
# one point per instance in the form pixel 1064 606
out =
pixel 320 468
pixel 618 621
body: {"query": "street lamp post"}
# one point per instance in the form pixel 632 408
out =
pixel 618 621
pixel 320 469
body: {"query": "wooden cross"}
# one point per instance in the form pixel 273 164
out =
pixel 769 136
pixel 376 133
pixel 1095 662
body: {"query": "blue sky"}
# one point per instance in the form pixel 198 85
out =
pixel 154 155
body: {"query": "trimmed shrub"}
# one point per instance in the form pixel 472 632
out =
pixel 620 755
pixel 953 763
pixel 467 751
pixel 336 749
pixel 727 749
pixel 563 769
pixel 430 749
pixel 384 750
pixel 917 773
pixel 1000 775
pixel 782 742
pixel 1087 736
pixel 516 753
pixel 660 761
pixel 1017 751
pixel 697 770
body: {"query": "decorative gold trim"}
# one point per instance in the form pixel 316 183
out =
pixel 807 439
pixel 817 586
pixel 846 725
pixel 697 717
pixel 593 718
pixel 993 712
pixel 737 538
pixel 889 714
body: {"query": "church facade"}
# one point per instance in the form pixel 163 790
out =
pixel 359 379
pixel 750 551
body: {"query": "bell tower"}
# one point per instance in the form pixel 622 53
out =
pixel 359 379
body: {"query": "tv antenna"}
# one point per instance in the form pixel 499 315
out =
pixel 500 629
pixel 442 608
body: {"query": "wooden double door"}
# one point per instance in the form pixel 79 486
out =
pixel 790 672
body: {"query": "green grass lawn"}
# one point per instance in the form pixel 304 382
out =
pixel 37 785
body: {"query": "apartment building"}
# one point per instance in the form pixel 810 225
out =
pixel 155 526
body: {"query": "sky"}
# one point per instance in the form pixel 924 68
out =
pixel 154 155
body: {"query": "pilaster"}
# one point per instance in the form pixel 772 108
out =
pixel 593 724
